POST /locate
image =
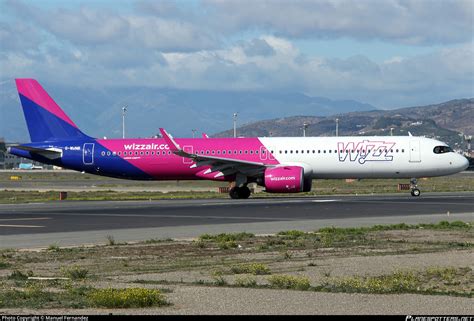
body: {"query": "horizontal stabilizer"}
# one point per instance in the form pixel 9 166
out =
pixel 50 153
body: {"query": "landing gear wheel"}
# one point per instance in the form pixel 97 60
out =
pixel 234 193
pixel 244 192
pixel 239 192
pixel 414 187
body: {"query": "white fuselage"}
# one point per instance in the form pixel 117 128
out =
pixel 365 157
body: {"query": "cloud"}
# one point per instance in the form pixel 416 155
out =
pixel 88 26
pixel 18 36
pixel 258 47
pixel 409 22
pixel 161 44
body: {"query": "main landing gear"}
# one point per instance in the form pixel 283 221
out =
pixel 239 192
pixel 414 188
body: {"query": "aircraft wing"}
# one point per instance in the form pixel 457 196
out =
pixel 223 165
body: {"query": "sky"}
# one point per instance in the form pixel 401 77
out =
pixel 390 53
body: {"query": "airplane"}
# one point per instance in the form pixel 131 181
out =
pixel 280 164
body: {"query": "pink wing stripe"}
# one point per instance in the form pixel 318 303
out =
pixel 32 90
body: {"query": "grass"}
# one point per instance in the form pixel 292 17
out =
pixel 110 240
pixel 252 268
pixel 19 275
pixel 53 248
pixel 246 282
pixel 433 280
pixel 320 187
pixel 4 265
pixel 35 296
pixel 224 241
pixel 287 253
pixel 75 272
pixel 126 298
pixel 14 196
pixel 289 282
pixel 226 237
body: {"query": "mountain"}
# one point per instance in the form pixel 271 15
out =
pixel 443 121
pixel 98 111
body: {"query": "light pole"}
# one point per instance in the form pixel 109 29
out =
pixel 337 127
pixel 235 125
pixel 194 132
pixel 305 126
pixel 391 131
pixel 468 139
pixel 124 110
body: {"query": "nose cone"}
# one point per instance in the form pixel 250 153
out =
pixel 462 163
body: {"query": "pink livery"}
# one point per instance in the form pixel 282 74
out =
pixel 280 164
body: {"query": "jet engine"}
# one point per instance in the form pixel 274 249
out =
pixel 286 179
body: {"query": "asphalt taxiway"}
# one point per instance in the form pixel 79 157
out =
pixel 75 223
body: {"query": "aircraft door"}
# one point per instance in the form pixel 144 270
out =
pixel 263 153
pixel 415 153
pixel 88 154
pixel 187 149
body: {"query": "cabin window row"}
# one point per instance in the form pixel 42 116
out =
pixel 319 151
pixel 251 152
pixel 108 153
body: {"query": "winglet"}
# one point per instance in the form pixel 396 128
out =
pixel 174 147
pixel 204 135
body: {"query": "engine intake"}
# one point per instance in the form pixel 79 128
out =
pixel 285 179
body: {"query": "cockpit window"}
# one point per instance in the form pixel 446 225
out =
pixel 442 149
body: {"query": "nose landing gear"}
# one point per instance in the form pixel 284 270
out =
pixel 414 188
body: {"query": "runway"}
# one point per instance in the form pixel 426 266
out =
pixel 72 222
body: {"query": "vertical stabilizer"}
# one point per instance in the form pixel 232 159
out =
pixel 46 121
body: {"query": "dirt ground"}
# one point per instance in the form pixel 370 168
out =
pixel 350 271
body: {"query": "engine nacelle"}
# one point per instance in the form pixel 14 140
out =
pixel 284 179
